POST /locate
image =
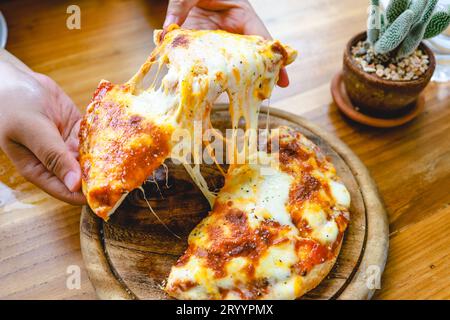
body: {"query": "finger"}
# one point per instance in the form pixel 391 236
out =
pixel 177 11
pixel 35 172
pixel 72 141
pixel 45 142
pixel 67 115
pixel 255 26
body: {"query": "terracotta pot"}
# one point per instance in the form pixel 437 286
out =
pixel 380 97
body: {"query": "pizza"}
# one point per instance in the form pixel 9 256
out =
pixel 276 227
pixel 271 236
pixel 126 131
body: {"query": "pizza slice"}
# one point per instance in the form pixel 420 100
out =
pixel 127 130
pixel 274 235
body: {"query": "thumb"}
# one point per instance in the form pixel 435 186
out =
pixel 177 11
pixel 46 143
pixel 255 26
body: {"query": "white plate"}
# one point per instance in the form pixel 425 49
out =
pixel 3 31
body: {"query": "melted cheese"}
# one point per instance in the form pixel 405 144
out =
pixel 273 194
pixel 265 196
pixel 286 290
pixel 276 263
pixel 153 104
pixel 326 231
pixel 340 193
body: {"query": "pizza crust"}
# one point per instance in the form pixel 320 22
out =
pixel 318 273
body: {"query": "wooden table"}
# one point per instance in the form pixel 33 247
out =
pixel 39 236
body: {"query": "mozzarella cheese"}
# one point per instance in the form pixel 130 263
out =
pixel 340 193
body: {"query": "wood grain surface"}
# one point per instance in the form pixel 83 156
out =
pixel 131 256
pixel 39 236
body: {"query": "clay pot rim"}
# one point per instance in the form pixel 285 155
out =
pixel 425 78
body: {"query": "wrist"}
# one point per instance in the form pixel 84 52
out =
pixel 7 57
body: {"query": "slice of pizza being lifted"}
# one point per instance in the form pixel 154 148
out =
pixel 126 132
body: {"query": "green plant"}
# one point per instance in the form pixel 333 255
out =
pixel 395 9
pixel 438 23
pixel 395 33
pixel 399 30
pixel 418 6
pixel 374 19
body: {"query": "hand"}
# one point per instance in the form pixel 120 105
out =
pixel 235 16
pixel 39 127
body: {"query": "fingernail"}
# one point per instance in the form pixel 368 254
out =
pixel 283 80
pixel 170 19
pixel 71 180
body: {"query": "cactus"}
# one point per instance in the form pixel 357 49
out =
pixel 403 25
pixel 418 6
pixel 374 19
pixel 395 9
pixel 384 23
pixel 438 23
pixel 395 33
pixel 415 36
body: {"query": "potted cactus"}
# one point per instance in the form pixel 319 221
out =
pixel 388 66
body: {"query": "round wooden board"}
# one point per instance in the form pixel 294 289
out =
pixel 130 256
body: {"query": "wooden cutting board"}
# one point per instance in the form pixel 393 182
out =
pixel 130 256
